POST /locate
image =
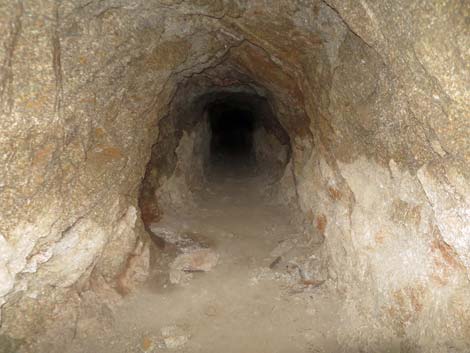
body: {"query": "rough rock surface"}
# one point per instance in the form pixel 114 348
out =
pixel 373 96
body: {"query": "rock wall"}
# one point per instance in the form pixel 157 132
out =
pixel 271 155
pixel 373 96
pixel 82 88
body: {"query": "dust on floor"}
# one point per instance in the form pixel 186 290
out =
pixel 252 295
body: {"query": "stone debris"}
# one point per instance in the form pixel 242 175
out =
pixel 174 337
pixel 199 260
pixel 149 344
pixel 275 262
pixel 183 241
pixel 292 263
pixel 171 236
pixel 194 251
pixel 170 337
pixel 211 310
pixel 284 247
pixel 263 273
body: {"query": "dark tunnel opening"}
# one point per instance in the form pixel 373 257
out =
pixel 244 136
pixel 232 129
pixel 220 136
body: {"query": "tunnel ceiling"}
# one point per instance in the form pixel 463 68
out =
pixel 373 97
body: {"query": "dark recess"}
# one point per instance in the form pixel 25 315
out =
pixel 232 130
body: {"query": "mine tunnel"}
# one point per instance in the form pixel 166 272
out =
pixel 246 137
pixel 234 176
pixel 231 134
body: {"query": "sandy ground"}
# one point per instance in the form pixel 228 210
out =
pixel 241 305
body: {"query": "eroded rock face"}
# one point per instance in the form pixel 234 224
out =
pixel 373 97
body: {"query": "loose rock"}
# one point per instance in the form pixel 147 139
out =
pixel 174 337
pixel 199 260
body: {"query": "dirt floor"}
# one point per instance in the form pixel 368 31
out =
pixel 254 300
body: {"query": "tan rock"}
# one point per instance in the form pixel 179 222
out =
pixel 199 260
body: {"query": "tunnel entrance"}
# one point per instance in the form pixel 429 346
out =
pixel 231 136
pixel 213 138
pixel 245 137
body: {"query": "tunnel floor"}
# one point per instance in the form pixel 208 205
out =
pixel 253 300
